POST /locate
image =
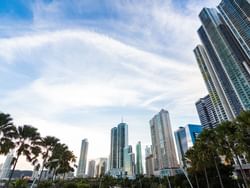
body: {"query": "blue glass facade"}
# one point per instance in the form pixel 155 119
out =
pixel 122 136
pixel 231 96
pixel 210 108
pixel 119 140
pixel 229 61
pixel 236 14
pixel 185 138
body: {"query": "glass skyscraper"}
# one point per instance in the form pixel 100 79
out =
pixel 224 60
pixel 129 162
pixel 163 144
pixel 83 159
pixel 119 140
pixel 185 138
pixel 216 96
pixel 113 149
pixel 139 168
pixel 122 136
pixel 236 14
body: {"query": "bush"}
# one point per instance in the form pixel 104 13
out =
pixel 82 185
pixel 70 185
pixel 45 184
pixel 21 183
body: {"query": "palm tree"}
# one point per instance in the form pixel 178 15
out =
pixel 208 137
pixel 191 159
pixel 61 160
pixel 65 163
pixel 7 133
pixel 200 158
pixel 48 144
pixel 27 144
pixel 242 123
pixel 229 141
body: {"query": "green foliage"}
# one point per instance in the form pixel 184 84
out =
pixel 20 183
pixel 63 159
pixel 229 139
pixel 70 185
pixel 7 133
pixel 82 185
pixel 45 184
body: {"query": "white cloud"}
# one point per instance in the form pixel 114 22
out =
pixel 144 65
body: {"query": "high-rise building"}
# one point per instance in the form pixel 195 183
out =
pixel 206 112
pixel 83 159
pixel 122 132
pixel 163 144
pixel 228 61
pixel 113 149
pixel 139 168
pixel 149 161
pixel 6 167
pixel 91 169
pixel 119 140
pixel 185 138
pixel 129 162
pixel 236 14
pixel 101 167
pixel 216 95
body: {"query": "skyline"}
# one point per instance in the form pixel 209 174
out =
pixel 49 92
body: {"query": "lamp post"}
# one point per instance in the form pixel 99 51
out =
pixel 186 175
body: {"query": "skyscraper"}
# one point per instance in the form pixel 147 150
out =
pixel 139 168
pixel 91 169
pixel 216 95
pixel 206 112
pixel 114 149
pixel 185 138
pixel 6 167
pixel 100 167
pixel 83 159
pixel 163 144
pixel 122 132
pixel 129 162
pixel 230 54
pixel 149 161
pixel 224 60
pixel 236 14
pixel 119 140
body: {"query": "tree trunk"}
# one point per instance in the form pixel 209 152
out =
pixel 218 172
pixel 54 173
pixel 63 176
pixel 12 171
pixel 242 172
pixel 196 179
pixel 205 170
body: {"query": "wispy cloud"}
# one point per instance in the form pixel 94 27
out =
pixel 82 66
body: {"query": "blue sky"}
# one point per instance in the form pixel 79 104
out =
pixel 73 68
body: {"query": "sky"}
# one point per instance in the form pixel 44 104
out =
pixel 75 68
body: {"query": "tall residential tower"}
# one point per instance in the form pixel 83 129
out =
pixel 139 168
pixel 224 57
pixel 165 160
pixel 119 140
pixel 83 159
